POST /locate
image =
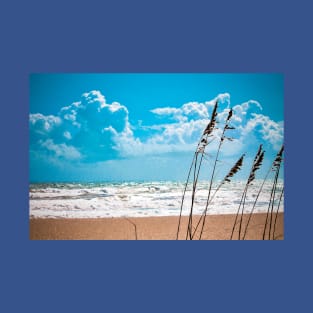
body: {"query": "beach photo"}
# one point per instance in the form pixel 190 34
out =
pixel 156 156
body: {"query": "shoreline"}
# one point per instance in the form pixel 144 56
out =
pixel 217 227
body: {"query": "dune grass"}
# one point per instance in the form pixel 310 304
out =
pixel 255 166
pixel 193 178
pixel 194 170
pixel 269 215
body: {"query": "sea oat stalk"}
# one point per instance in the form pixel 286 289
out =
pixel 257 162
pixel 203 142
pixel 254 204
pixel 226 179
pixel 276 167
pixel 223 137
pixel 281 195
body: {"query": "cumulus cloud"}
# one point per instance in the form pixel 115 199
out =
pixel 42 126
pixel 92 130
pixel 222 98
pixel 86 129
pixel 166 111
pixel 189 122
pixel 61 150
pixel 193 110
pixel 241 110
pixel 270 130
pixel 251 127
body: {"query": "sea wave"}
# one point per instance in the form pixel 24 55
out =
pixel 133 199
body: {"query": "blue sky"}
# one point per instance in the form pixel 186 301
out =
pixel 116 127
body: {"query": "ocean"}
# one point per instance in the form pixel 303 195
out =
pixel 141 199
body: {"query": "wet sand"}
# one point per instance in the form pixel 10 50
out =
pixel 217 227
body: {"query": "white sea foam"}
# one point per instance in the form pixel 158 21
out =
pixel 141 199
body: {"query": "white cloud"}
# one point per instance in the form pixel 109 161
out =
pixel 67 135
pixel 43 124
pixel 250 127
pixel 93 130
pixel 193 110
pixel 270 130
pixel 166 111
pixel 61 150
pixel 87 127
pixel 222 98
pixel 241 110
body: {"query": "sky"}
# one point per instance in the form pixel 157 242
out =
pixel 142 127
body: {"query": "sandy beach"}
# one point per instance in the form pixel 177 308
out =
pixel 218 227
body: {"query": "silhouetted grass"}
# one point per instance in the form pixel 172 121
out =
pixel 194 172
pixel 254 204
pixel 255 166
pixel 276 168
pixel 223 137
pixel 281 195
pixel 195 167
pixel 226 179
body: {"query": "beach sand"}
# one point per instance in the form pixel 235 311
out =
pixel 217 227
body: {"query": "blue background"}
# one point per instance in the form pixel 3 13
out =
pixel 158 36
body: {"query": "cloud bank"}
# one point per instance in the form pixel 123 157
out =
pixel 92 130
